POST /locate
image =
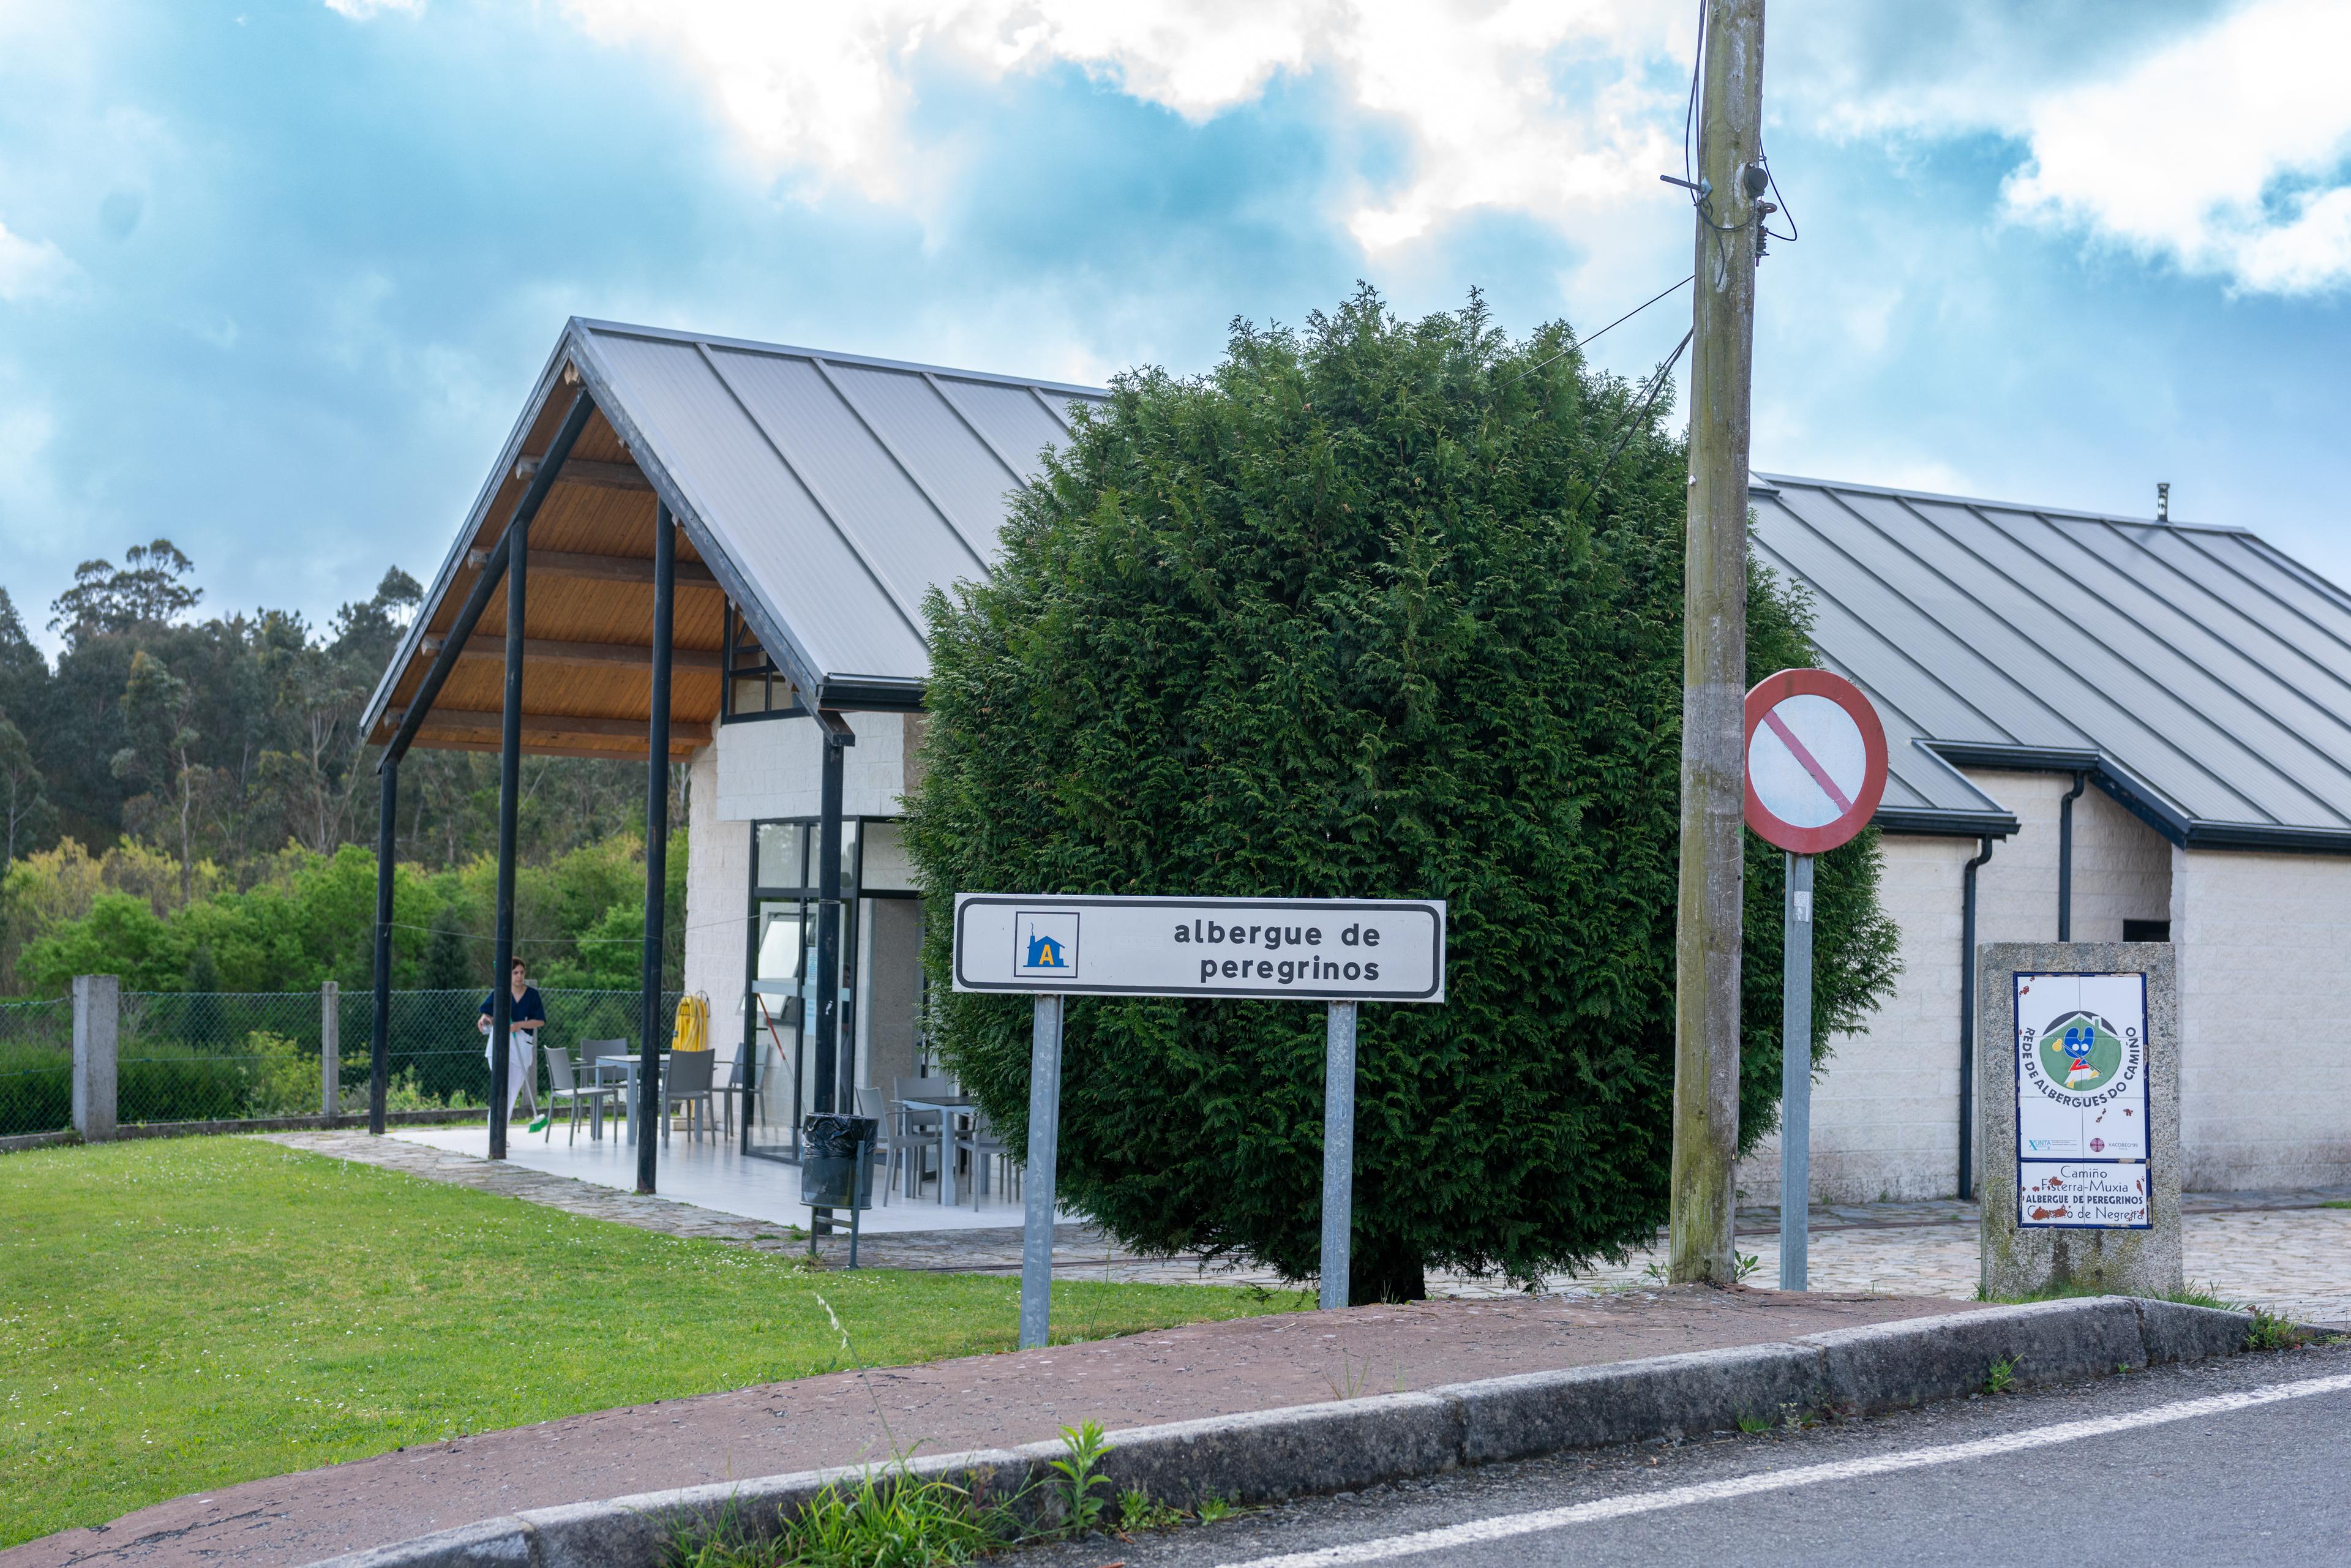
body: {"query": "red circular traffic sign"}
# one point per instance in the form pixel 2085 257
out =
pixel 1815 761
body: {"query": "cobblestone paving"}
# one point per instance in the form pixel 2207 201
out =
pixel 2280 1250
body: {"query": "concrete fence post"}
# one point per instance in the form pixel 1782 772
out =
pixel 97 1018
pixel 331 1049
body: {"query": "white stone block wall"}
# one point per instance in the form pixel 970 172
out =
pixel 2121 868
pixel 774 767
pixel 758 771
pixel 1885 1113
pixel 2265 947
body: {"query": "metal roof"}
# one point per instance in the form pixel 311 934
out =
pixel 827 493
pixel 2196 674
pixel 839 490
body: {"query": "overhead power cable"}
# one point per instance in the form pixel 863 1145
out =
pixel 1657 384
pixel 1574 342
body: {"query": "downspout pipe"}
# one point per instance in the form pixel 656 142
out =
pixel 1968 1023
pixel 2065 857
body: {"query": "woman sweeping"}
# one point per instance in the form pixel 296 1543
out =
pixel 526 1018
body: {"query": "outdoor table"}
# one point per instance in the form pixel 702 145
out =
pixel 947 1106
pixel 626 1065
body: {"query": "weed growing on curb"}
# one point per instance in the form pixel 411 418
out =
pixel 1752 1424
pixel 1137 1510
pixel 1745 1263
pixel 1080 1509
pixel 2003 1373
pixel 1213 1509
pixel 2273 1332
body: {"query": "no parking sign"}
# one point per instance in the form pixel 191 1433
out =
pixel 1816 772
pixel 1815 761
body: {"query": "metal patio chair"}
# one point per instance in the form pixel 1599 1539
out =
pixel 567 1092
pixel 980 1142
pixel 688 1083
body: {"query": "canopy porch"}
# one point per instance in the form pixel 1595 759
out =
pixel 683 532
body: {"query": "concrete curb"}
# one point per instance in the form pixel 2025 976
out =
pixel 1266 1456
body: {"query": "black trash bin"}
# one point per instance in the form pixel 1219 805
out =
pixel 831 1174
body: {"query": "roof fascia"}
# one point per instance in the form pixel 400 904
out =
pixel 1945 824
pixel 509 455
pixel 793 350
pixel 2138 797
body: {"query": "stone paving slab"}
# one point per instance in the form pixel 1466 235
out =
pixel 2280 1250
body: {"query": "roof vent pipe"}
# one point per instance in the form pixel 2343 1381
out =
pixel 2163 500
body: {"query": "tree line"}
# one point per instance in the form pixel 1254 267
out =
pixel 184 772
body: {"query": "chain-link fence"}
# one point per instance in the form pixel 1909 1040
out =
pixel 35 1066
pixel 220 1056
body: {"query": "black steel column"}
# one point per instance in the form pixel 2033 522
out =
pixel 657 840
pixel 832 1093
pixel 509 802
pixel 380 1040
pixel 829 1087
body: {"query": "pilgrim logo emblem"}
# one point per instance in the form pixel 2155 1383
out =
pixel 1045 944
pixel 2080 1052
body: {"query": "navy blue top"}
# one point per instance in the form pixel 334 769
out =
pixel 530 1010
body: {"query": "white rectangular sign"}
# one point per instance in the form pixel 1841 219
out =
pixel 1312 949
pixel 2082 1101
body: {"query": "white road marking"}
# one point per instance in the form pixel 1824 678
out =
pixel 1506 1527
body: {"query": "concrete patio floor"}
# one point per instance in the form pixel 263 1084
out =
pixel 712 1173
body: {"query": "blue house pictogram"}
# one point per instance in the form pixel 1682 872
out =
pixel 1044 952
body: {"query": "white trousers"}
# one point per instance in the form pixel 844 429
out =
pixel 518 1065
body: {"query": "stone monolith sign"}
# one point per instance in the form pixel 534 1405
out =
pixel 2077 1098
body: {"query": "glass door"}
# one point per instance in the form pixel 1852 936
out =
pixel 780 1003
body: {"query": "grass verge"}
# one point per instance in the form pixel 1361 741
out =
pixel 188 1313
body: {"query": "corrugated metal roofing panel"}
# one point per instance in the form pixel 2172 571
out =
pixel 831 601
pixel 2209 675
pixel 969 482
pixel 1012 419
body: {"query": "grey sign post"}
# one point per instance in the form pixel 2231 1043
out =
pixel 1796 1077
pixel 1338 1150
pixel 1816 772
pixel 1044 1156
pixel 1340 952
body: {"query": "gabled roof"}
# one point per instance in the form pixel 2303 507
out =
pixel 825 494
pixel 2195 673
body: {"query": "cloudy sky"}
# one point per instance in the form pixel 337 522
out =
pixel 275 274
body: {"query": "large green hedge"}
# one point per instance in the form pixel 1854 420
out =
pixel 1358 613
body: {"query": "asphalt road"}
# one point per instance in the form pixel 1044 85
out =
pixel 2242 1462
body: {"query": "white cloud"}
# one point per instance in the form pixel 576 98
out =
pixel 2225 151
pixel 828 88
pixel 361 10
pixel 31 269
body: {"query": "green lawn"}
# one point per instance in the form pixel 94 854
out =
pixel 187 1313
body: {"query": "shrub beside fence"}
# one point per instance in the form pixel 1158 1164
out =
pixel 219 1056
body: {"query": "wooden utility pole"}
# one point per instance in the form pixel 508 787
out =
pixel 1714 647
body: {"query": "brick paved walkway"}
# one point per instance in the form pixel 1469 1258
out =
pixel 2280 1250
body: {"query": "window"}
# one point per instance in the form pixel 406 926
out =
pixel 2146 930
pixel 755 688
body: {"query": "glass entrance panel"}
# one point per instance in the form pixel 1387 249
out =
pixel 778 1005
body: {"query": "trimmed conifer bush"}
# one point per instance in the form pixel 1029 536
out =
pixel 1364 612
